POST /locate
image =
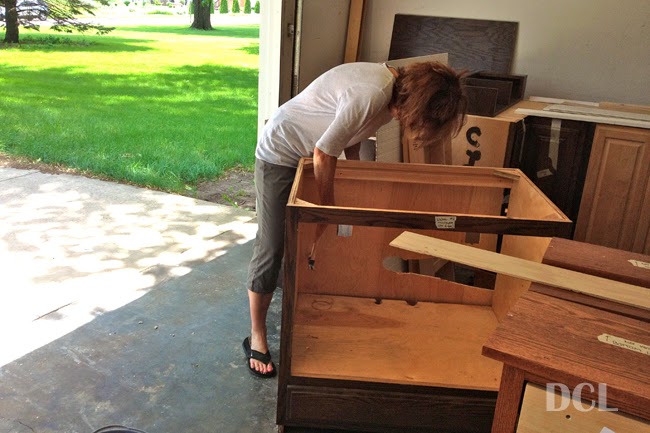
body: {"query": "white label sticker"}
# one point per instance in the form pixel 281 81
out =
pixel 544 173
pixel 624 343
pixel 344 230
pixel 607 430
pixel 445 222
pixel 640 264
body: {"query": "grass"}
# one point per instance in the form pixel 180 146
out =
pixel 159 106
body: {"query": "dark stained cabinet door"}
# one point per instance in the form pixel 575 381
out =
pixel 555 156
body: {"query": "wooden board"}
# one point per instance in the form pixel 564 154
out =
pixel 610 263
pixel 535 418
pixel 619 265
pixel 475 45
pixel 564 342
pixel 525 269
pixel 393 342
pixel 420 196
pixel 354 31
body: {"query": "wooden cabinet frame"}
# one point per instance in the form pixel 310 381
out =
pixel 367 348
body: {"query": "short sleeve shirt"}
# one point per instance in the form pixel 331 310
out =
pixel 342 107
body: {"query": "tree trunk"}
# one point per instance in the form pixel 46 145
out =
pixel 202 14
pixel 11 22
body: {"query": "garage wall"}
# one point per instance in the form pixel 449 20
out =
pixel 592 50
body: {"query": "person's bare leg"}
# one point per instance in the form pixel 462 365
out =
pixel 259 306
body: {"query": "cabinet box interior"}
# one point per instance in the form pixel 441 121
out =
pixel 353 317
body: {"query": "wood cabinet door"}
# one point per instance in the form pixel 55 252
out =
pixel 615 207
pixel 555 158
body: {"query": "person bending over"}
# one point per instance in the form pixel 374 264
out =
pixel 337 111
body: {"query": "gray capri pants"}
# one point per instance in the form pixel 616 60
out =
pixel 273 186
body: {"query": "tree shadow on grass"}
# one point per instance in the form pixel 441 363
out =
pixel 79 43
pixel 239 32
pixel 48 42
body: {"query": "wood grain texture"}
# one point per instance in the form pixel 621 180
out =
pixel 559 341
pixel 510 394
pixel 535 418
pixel 610 263
pixel 489 137
pixel 615 207
pixel 388 408
pixel 354 266
pixel 605 262
pixel 354 31
pixel 416 195
pixel 525 269
pixel 427 344
pixel 475 45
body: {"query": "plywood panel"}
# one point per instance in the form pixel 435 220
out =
pixel 482 142
pixel 535 418
pixel 393 342
pixel 525 199
pixel 355 266
pixel 475 45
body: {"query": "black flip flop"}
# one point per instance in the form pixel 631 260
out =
pixel 259 356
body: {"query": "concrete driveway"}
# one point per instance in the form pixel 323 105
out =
pixel 122 305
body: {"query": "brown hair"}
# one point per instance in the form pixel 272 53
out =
pixel 430 100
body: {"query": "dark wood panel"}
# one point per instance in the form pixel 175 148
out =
pixel 386 411
pixel 474 45
pixel 562 182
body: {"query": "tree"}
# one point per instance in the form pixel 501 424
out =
pixel 62 12
pixel 247 7
pixel 235 6
pixel 257 7
pixel 223 7
pixel 202 10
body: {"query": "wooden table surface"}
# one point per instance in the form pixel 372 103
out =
pixel 554 340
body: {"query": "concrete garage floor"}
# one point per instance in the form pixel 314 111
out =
pixel 121 305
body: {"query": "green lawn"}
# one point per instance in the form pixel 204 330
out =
pixel 162 106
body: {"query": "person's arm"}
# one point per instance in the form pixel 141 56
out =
pixel 324 170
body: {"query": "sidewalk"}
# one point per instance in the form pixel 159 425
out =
pixel 122 305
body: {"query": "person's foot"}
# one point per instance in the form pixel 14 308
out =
pixel 259 361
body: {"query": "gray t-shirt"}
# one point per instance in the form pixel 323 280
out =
pixel 342 107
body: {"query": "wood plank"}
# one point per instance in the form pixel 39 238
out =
pixel 510 393
pixel 355 19
pixel 393 342
pixel 565 342
pixel 610 263
pixel 427 220
pixel 588 284
pixel 535 418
